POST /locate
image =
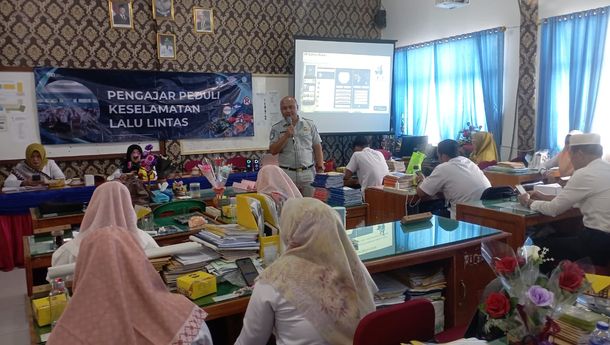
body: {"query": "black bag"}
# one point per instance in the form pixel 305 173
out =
pixel 500 192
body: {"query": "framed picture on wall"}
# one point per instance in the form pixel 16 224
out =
pixel 121 14
pixel 163 9
pixel 166 46
pixel 203 20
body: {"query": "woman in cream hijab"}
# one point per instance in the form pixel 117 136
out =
pixel 317 291
pixel 35 163
pixel 484 148
pixel 110 205
pixel 119 298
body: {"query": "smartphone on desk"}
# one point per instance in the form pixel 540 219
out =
pixel 520 189
pixel 247 269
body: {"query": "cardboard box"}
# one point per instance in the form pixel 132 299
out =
pixel 197 284
pixel 42 310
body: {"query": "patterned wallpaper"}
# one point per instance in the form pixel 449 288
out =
pixel 526 90
pixel 249 35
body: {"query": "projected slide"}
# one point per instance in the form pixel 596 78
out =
pixel 357 83
pixel 344 86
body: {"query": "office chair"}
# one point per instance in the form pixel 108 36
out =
pixel 401 323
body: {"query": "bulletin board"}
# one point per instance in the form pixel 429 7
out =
pixel 19 123
pixel 267 92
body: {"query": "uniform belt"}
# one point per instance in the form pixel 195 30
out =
pixel 297 169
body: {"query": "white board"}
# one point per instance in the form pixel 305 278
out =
pixel 267 92
pixel 19 123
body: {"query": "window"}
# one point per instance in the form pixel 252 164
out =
pixel 442 85
pixel 574 76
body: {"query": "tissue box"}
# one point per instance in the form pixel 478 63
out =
pixel 42 309
pixel 548 189
pixel 196 284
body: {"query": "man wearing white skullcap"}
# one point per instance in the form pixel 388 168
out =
pixel 589 190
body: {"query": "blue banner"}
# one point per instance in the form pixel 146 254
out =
pixel 100 106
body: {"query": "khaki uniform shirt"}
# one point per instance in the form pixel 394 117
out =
pixel 298 151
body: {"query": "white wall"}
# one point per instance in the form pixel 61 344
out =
pixel 552 8
pixel 416 21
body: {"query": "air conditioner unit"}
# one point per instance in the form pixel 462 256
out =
pixel 451 4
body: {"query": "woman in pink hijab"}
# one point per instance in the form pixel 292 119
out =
pixel 110 205
pixel 273 182
pixel 119 298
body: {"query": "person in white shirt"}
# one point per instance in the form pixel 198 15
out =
pixel 110 205
pixel 368 164
pixel 589 190
pixel 35 164
pixel 317 291
pixel 457 177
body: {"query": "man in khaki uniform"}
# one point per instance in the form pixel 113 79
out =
pixel 298 145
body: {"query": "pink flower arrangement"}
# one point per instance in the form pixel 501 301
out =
pixel 529 302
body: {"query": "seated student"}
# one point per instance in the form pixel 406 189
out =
pixel 457 177
pixel 368 164
pixel 317 291
pixel 119 298
pixel 35 164
pixel 562 159
pixel 485 151
pixel 589 190
pixel 110 205
pixel 131 164
pixel 273 182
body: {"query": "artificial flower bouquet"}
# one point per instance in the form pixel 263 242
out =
pixel 465 135
pixel 217 174
pixel 529 302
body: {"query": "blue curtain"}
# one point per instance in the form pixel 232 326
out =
pixel 571 57
pixel 492 71
pixel 440 86
pixel 400 91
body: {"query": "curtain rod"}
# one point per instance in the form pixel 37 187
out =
pixel 452 38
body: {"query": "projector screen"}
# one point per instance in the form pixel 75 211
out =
pixel 344 86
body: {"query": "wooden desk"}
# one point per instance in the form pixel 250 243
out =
pixel 505 179
pixel 451 245
pixel 42 225
pixel 386 205
pixel 40 263
pixel 356 216
pixel 515 221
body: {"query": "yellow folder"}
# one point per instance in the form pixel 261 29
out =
pixel 268 205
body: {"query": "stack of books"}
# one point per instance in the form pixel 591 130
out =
pixel 398 180
pixel 328 180
pixel 576 323
pixel 508 167
pixel 160 263
pixel 426 282
pixel 321 194
pixel 398 166
pixel 391 291
pixel 182 264
pixel 231 241
pixel 344 197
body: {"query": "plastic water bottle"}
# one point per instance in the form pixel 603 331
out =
pixel 600 335
pixel 58 299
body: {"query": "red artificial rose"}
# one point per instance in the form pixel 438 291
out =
pixel 506 265
pixel 497 305
pixel 571 276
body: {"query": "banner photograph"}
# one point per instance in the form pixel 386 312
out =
pixel 101 106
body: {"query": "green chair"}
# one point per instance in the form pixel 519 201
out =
pixel 178 207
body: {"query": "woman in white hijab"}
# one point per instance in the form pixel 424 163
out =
pixel 110 205
pixel 317 291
